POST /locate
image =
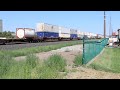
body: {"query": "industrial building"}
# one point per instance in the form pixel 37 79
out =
pixel 1 26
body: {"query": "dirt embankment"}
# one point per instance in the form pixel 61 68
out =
pixel 69 54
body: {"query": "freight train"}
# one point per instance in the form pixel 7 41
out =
pixel 46 31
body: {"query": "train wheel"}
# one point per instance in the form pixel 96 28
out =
pixel 59 39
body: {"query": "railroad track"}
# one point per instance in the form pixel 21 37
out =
pixel 14 46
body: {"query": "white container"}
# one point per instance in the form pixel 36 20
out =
pixel 44 27
pixel 100 36
pixel 39 27
pixel 80 34
pixel 95 35
pixel 92 34
pixel 85 33
pixel 64 35
pixel 73 31
pixel 25 33
pixel 55 28
pixel 88 33
pixel 64 30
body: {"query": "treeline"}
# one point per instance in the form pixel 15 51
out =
pixel 6 34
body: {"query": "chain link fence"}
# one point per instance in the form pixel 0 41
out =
pixel 92 48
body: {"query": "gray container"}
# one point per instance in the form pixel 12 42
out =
pixel 25 33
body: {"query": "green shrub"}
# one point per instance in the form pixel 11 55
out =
pixel 78 60
pixel 31 60
pixel 56 62
pixel 5 63
pixel 45 72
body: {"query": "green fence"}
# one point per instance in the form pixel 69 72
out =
pixel 92 48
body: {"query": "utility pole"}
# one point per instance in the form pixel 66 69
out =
pixel 104 25
pixel 110 28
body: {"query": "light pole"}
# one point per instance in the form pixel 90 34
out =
pixel 104 25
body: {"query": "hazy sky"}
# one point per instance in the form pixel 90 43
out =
pixel 89 21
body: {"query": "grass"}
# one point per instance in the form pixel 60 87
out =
pixel 27 51
pixel 56 62
pixel 31 68
pixel 21 69
pixel 108 61
pixel 5 63
pixel 78 60
pixel 74 70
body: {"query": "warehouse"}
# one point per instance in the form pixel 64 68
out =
pixel 1 26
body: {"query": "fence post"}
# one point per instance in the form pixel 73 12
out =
pixel 83 57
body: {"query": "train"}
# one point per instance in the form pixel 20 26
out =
pixel 45 31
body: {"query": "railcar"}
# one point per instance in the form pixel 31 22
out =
pixel 45 31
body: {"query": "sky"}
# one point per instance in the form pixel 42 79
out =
pixel 86 21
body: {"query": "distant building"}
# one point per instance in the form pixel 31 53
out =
pixel 1 26
pixel 114 33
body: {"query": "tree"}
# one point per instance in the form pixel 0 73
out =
pixel 6 34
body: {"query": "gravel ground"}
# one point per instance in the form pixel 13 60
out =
pixel 69 51
pixel 88 73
